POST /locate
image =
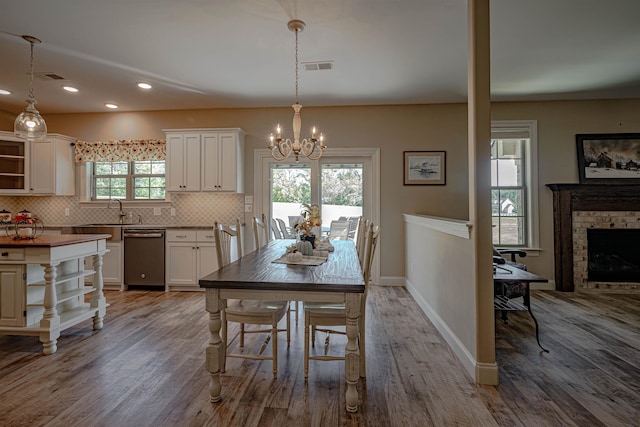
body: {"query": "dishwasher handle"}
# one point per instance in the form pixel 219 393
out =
pixel 144 235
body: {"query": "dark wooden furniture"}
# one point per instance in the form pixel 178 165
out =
pixel 582 197
pixel 507 274
pixel 255 276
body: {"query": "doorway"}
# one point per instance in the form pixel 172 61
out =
pixel 344 183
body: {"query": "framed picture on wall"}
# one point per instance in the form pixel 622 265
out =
pixel 609 158
pixel 425 167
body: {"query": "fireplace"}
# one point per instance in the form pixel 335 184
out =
pixel 613 255
pixel 580 210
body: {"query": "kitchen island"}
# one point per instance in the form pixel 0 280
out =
pixel 42 289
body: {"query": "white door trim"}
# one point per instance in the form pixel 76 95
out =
pixel 261 188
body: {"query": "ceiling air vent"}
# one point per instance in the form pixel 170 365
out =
pixel 48 76
pixel 316 66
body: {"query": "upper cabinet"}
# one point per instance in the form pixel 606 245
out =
pixel 36 168
pixel 205 160
pixel 183 162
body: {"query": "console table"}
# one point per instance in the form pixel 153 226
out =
pixel 505 273
pixel 42 290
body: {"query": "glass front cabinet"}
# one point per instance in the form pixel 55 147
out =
pixel 14 168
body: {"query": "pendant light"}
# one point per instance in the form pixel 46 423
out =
pixel 311 148
pixel 29 124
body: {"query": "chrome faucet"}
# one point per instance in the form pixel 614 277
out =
pixel 121 215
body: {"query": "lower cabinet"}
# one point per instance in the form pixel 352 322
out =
pixel 191 254
pixel 12 295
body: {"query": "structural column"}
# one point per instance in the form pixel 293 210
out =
pixel 479 125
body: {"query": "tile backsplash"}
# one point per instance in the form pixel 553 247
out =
pixel 191 209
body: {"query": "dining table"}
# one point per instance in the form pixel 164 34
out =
pixel 256 276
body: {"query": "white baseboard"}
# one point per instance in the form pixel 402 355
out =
pixel 482 373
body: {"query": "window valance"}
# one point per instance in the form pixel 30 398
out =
pixel 121 150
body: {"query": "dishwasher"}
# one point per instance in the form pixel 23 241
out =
pixel 144 258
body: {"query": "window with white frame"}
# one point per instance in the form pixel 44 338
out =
pixel 514 192
pixel 135 180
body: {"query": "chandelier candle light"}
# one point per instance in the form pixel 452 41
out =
pixel 29 124
pixel 281 149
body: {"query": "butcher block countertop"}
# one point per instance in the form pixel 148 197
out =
pixel 51 240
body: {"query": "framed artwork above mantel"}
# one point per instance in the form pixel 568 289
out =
pixel 609 158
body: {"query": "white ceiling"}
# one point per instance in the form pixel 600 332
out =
pixel 239 53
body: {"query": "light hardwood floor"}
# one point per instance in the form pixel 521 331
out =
pixel 146 368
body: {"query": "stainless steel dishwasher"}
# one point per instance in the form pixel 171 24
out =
pixel 144 257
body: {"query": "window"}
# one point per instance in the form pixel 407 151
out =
pixel 136 180
pixel 514 193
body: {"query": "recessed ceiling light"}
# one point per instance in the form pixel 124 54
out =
pixel 4 92
pixel 112 106
pixel 70 89
pixel 144 85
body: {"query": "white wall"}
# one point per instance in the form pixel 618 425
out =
pixel 443 284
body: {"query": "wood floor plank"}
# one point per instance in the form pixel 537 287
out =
pixel 146 368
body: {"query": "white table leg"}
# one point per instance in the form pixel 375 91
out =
pixel 352 354
pixel 50 318
pixel 215 349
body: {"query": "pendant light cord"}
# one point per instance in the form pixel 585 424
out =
pixel 31 67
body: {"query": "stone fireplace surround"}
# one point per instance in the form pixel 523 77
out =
pixel 582 221
pixel 578 207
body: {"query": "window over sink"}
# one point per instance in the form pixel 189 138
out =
pixel 134 180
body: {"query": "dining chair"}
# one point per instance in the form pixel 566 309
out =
pixel 339 230
pixel 242 311
pixel 354 220
pixel 334 314
pixel 363 225
pixel 260 231
pixel 293 219
pixel 277 234
pixel 286 234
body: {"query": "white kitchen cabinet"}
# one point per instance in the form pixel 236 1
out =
pixel 52 166
pixel 36 168
pixel 183 162
pixel 216 164
pixel 12 295
pixel 191 254
pixel 222 157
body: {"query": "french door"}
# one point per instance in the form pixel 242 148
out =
pixel 337 185
pixel 344 183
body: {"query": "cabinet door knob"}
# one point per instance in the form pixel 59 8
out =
pixel 5 254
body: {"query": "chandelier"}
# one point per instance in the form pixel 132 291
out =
pixel 311 148
pixel 29 124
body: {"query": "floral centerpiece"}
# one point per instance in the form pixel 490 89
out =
pixel 310 219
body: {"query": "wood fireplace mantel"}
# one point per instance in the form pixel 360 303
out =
pixel 582 197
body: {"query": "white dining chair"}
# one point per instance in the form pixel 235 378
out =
pixel 275 229
pixel 363 225
pixel 254 312
pixel 286 234
pixel 260 231
pixel 339 230
pixel 318 314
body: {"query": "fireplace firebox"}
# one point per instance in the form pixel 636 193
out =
pixel 613 255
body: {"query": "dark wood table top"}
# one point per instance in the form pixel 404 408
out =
pixel 509 273
pixel 256 271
